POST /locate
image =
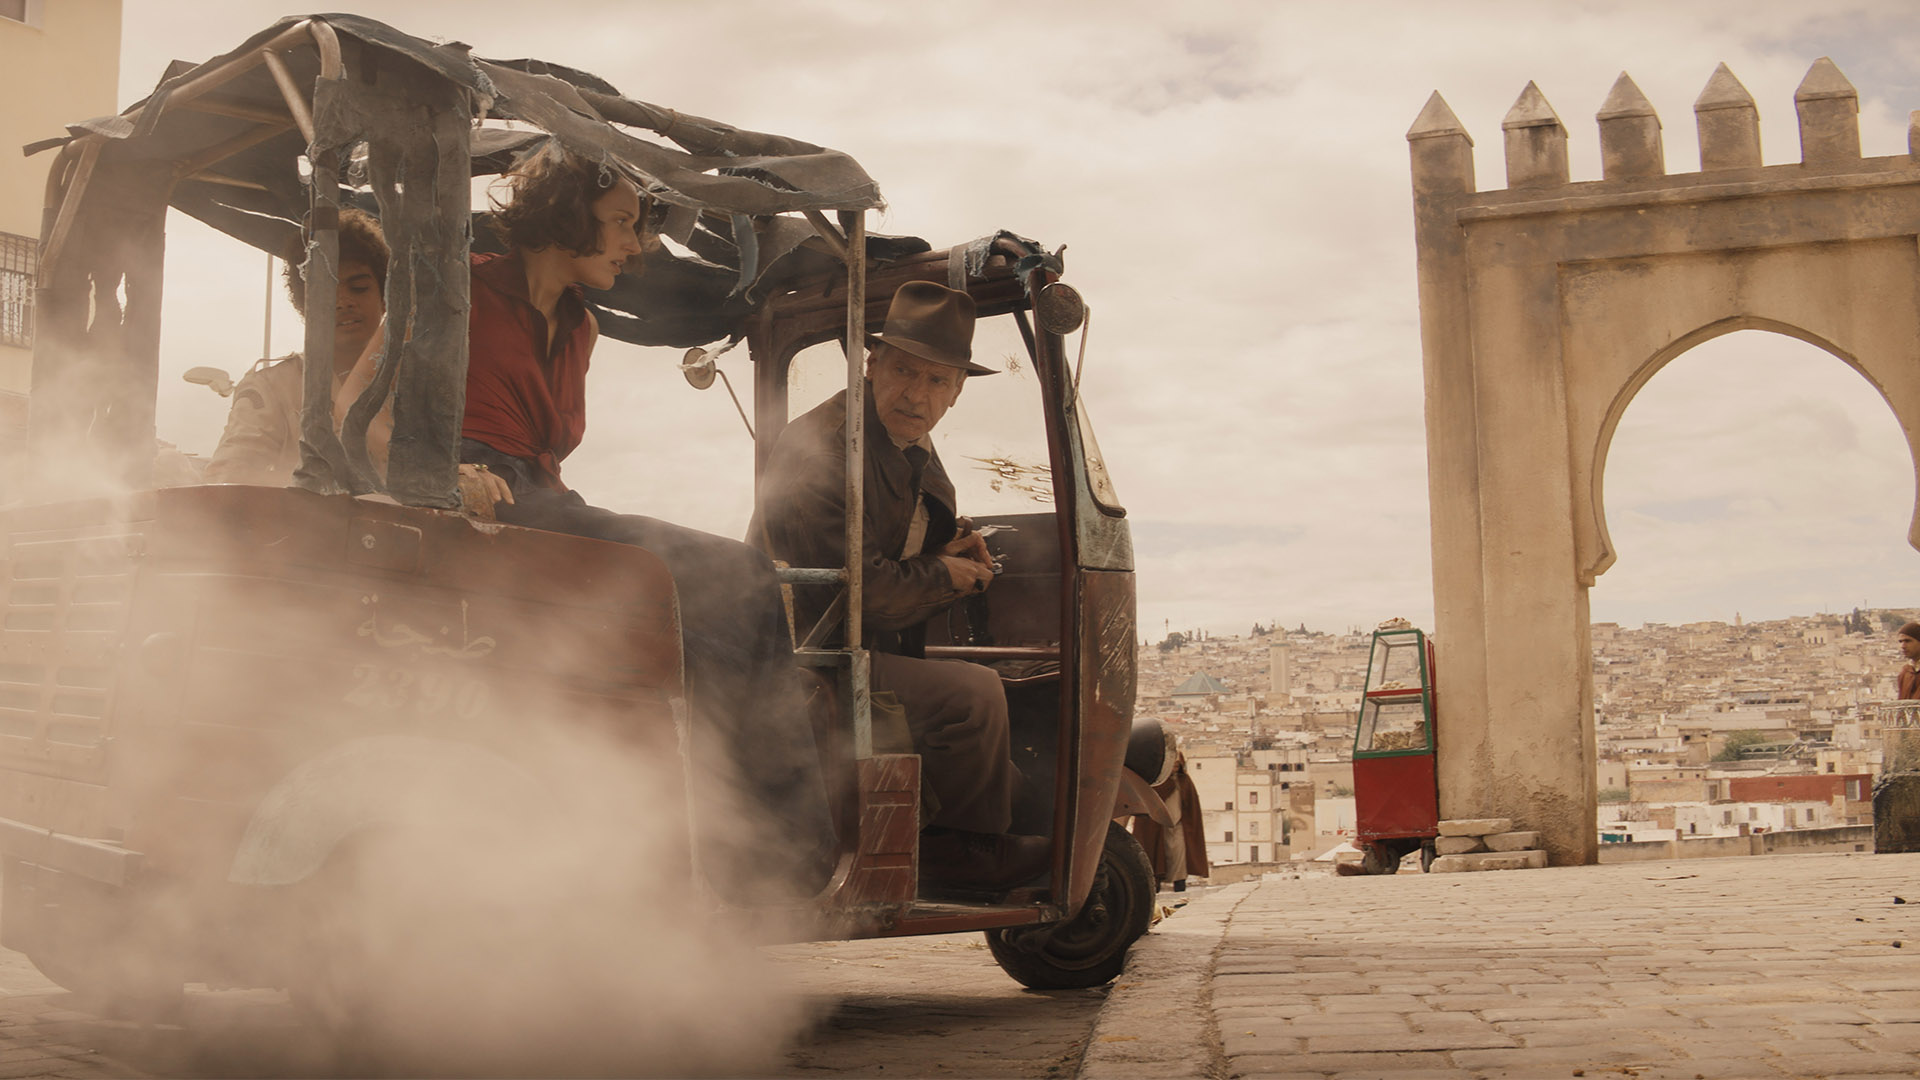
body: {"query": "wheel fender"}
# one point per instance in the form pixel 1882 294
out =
pixel 1135 797
pixel 369 782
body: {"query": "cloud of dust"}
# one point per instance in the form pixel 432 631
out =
pixel 552 930
pixel 457 858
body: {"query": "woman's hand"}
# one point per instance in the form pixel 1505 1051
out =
pixel 357 378
pixel 481 488
pixel 380 428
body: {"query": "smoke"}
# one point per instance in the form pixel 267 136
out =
pixel 534 937
pixel 455 818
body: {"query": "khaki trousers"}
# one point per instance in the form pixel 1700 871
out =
pixel 957 715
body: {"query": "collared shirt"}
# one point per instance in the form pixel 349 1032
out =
pixel 524 399
pixel 261 443
pixel 917 526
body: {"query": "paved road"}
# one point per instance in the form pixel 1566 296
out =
pixel 1769 966
pixel 1758 967
pixel 930 1007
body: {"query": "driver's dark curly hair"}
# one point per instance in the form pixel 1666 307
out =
pixel 551 202
pixel 361 241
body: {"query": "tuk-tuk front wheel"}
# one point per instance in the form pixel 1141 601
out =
pixel 1090 948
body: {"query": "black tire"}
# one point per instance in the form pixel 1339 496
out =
pixel 1089 949
pixel 1379 858
pixel 1427 855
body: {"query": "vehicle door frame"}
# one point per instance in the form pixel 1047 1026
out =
pixel 1085 783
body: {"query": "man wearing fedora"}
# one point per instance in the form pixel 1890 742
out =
pixel 918 560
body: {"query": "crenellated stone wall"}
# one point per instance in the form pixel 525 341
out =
pixel 1545 306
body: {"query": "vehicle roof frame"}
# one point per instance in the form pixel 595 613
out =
pixel 226 135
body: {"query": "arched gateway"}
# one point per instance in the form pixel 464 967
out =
pixel 1544 308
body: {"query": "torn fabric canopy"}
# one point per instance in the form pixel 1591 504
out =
pixel 233 132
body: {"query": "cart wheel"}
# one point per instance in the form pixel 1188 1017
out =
pixel 1091 948
pixel 1380 859
pixel 1427 855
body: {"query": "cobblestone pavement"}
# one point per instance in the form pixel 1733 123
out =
pixel 934 1007
pixel 1758 967
pixel 1769 966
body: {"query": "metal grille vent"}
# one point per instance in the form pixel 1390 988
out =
pixel 19 262
pixel 65 608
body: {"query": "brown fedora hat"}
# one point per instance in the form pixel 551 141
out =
pixel 934 323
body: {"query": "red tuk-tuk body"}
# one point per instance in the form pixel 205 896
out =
pixel 1395 790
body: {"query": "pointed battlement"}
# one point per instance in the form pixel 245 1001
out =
pixel 1442 150
pixel 1536 142
pixel 1729 124
pixel 1631 145
pixel 1829 109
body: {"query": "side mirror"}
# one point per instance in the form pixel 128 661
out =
pixel 697 366
pixel 1059 308
pixel 212 378
pixel 700 366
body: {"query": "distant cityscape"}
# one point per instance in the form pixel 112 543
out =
pixel 1704 729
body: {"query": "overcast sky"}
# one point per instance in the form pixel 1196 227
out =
pixel 1231 182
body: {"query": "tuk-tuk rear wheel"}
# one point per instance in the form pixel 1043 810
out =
pixel 1380 857
pixel 1089 949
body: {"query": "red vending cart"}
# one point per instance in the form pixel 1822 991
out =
pixel 1395 795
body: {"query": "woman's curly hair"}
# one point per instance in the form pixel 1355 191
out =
pixel 361 241
pixel 551 204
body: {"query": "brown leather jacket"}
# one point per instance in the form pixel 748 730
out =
pixel 801 519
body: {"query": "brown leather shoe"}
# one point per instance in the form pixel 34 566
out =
pixel 990 862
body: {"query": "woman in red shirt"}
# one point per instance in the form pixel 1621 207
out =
pixel 571 225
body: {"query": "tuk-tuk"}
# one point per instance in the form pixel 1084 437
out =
pixel 1396 795
pixel 184 761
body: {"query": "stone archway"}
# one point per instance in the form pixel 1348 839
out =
pixel 1545 306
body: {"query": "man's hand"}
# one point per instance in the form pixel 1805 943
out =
pixel 968 563
pixel 968 576
pixel 969 545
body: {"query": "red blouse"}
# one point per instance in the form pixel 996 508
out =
pixel 523 399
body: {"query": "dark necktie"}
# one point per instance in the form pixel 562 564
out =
pixel 916 457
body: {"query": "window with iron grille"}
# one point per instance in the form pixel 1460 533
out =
pixel 19 258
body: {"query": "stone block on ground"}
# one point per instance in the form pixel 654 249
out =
pixel 1512 841
pixel 1457 845
pixel 1476 826
pixel 1490 860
